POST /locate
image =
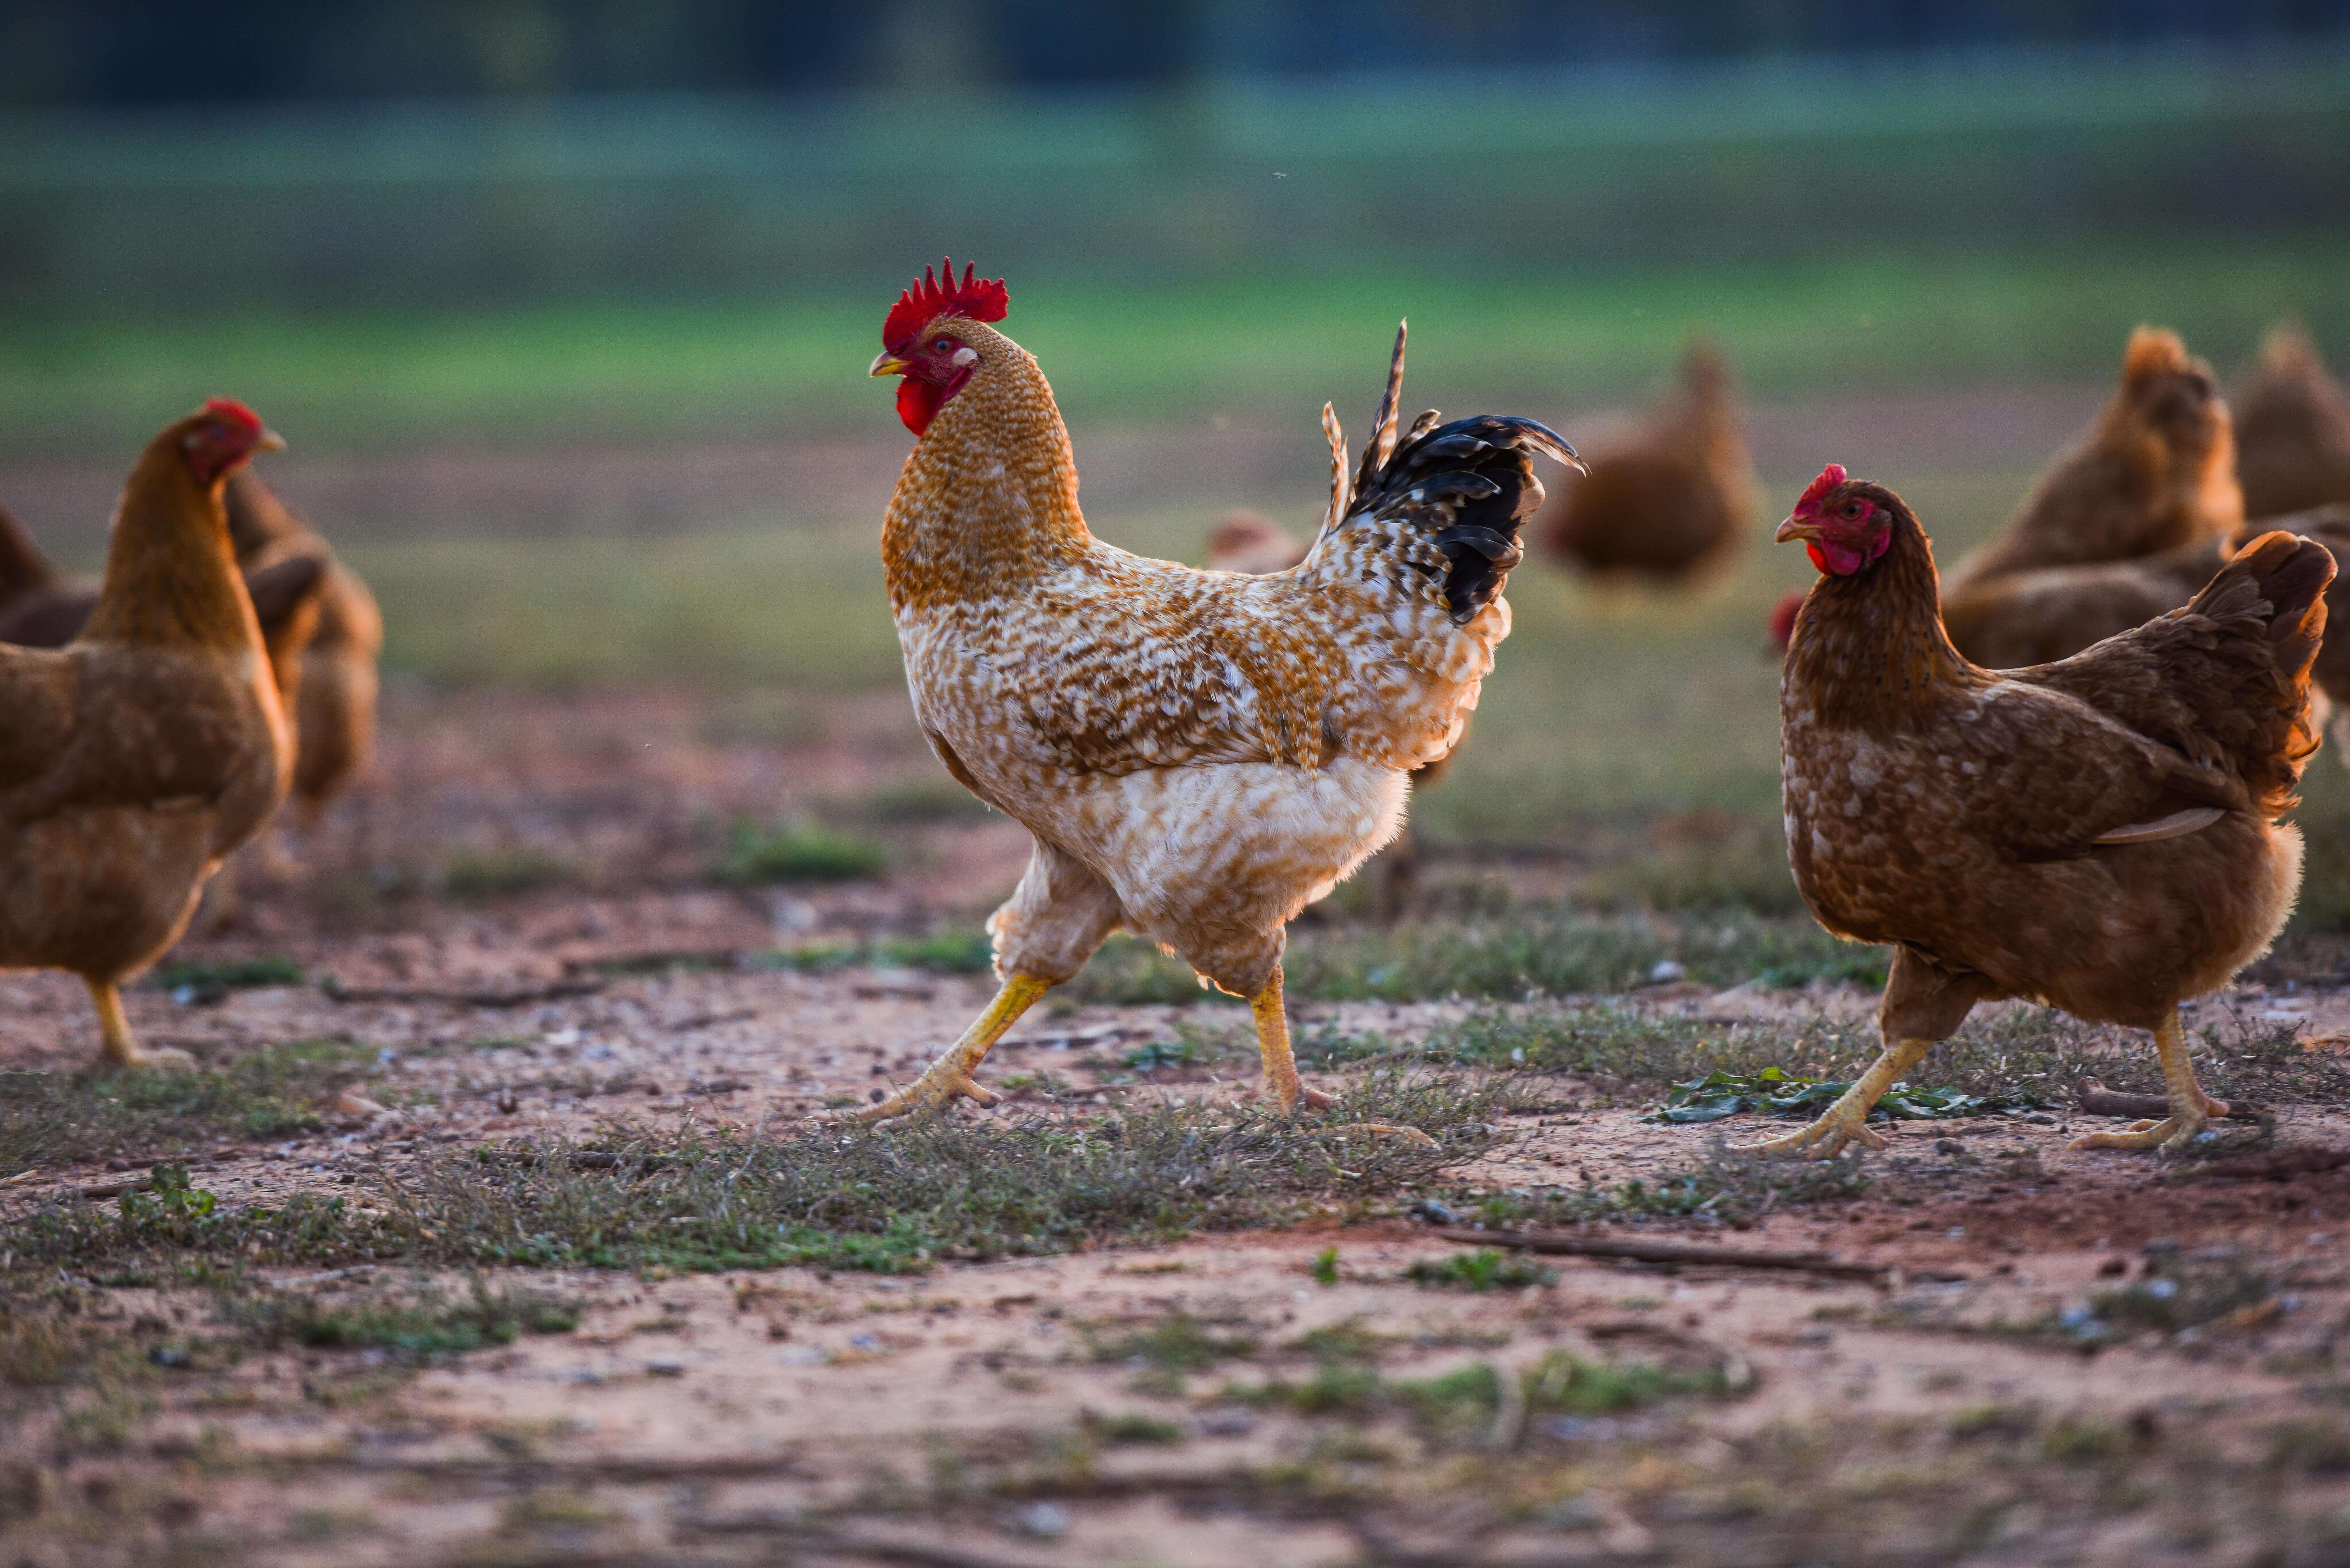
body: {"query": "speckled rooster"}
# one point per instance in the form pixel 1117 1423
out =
pixel 1198 755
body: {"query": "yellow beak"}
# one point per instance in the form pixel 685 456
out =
pixel 1792 530
pixel 270 441
pixel 885 365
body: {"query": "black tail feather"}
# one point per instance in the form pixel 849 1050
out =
pixel 1468 485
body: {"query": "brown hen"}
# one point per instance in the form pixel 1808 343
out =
pixel 334 714
pixel 139 755
pixel 2155 474
pixel 41 607
pixel 2293 429
pixel 2097 834
pixel 1668 501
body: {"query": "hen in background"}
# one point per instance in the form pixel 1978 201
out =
pixel 2293 429
pixel 1251 542
pixel 2097 834
pixel 2156 472
pixel 137 757
pixel 41 607
pixel 1668 501
pixel 334 714
pixel 1197 754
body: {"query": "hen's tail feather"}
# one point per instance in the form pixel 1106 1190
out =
pixel 2290 574
pixel 1465 487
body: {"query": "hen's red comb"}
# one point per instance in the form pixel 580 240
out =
pixel 1830 477
pixel 229 411
pixel 986 299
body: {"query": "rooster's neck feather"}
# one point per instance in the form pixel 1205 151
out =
pixel 988 499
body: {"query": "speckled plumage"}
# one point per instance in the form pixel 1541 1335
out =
pixel 1957 811
pixel 1198 753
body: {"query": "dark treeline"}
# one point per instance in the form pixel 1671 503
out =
pixel 141 52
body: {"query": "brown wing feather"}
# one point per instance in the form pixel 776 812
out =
pixel 2225 681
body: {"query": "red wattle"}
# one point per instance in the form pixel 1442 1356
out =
pixel 918 403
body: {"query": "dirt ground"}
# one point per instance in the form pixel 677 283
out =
pixel 1943 1406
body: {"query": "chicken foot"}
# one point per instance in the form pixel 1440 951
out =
pixel 1846 1121
pixel 2191 1108
pixel 119 1049
pixel 949 1078
pixel 1281 1081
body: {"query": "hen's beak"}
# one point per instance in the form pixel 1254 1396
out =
pixel 270 441
pixel 1792 530
pixel 885 365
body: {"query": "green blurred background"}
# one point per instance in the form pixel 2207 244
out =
pixel 565 306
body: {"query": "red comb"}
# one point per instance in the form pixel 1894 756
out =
pixel 230 412
pixel 1830 477
pixel 986 299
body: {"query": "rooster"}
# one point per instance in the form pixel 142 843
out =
pixel 2156 472
pixel 139 755
pixel 2097 834
pixel 1196 754
pixel 2293 429
pixel 1671 500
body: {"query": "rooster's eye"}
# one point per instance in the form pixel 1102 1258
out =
pixel 943 344
pixel 1852 509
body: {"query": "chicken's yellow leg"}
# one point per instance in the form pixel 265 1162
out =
pixel 951 1075
pixel 118 1047
pixel 1281 1083
pixel 1846 1121
pixel 2191 1108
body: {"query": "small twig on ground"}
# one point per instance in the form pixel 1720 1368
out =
pixel 1562 1244
pixel 511 996
pixel 2278 1164
pixel 2098 1100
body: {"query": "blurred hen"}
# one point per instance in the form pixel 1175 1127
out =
pixel 1671 501
pixel 137 757
pixel 2293 429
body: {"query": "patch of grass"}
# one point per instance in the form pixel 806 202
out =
pixel 476 874
pixel 1728 1187
pixel 1523 952
pixel 1181 1343
pixel 1134 1427
pixel 1485 1269
pixel 207 982
pixel 52 1119
pixel 1718 862
pixel 1454 1410
pixel 889 1200
pixel 801 850
pixel 421 1322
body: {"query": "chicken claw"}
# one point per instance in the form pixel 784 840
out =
pixel 119 1049
pixel 1281 1081
pixel 2191 1110
pixel 949 1078
pixel 1846 1121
